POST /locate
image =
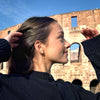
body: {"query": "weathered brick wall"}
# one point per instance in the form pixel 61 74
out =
pixel 83 69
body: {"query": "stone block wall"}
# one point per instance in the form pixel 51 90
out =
pixel 83 69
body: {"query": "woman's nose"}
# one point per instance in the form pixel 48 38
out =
pixel 67 44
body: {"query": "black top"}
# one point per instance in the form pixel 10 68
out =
pixel 42 86
pixel 5 50
pixel 33 86
pixel 92 51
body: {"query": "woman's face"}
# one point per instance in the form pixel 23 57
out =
pixel 56 47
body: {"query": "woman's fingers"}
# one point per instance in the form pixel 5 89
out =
pixel 13 38
pixel 89 33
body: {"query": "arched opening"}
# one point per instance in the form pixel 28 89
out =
pixel 93 85
pixel 74 52
pixel 77 82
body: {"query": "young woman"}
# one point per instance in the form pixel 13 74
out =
pixel 41 45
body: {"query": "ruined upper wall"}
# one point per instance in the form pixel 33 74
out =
pixel 87 18
pixel 90 18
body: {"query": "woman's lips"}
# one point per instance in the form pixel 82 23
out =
pixel 66 52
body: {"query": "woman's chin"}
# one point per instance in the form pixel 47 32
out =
pixel 65 61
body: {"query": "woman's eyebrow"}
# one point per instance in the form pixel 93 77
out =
pixel 61 32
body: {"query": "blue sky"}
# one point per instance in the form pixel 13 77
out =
pixel 74 46
pixel 13 12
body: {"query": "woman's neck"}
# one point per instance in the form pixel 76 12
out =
pixel 41 65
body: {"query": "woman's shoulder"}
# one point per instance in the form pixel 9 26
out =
pixel 60 81
pixel 13 76
pixel 67 84
pixel 63 83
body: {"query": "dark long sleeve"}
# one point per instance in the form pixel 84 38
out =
pixel 92 51
pixel 74 92
pixel 40 86
pixel 5 50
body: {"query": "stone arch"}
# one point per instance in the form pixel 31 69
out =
pixel 77 82
pixel 75 52
pixel 93 85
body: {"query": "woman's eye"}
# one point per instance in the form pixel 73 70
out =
pixel 61 37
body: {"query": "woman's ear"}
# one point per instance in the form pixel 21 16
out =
pixel 38 47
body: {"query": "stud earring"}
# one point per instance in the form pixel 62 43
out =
pixel 42 52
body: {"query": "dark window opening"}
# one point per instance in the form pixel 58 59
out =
pixel 1 65
pixel 74 21
pixel 9 32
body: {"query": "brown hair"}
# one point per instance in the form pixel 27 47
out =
pixel 34 28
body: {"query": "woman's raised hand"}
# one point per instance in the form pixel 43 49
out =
pixel 13 38
pixel 89 33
